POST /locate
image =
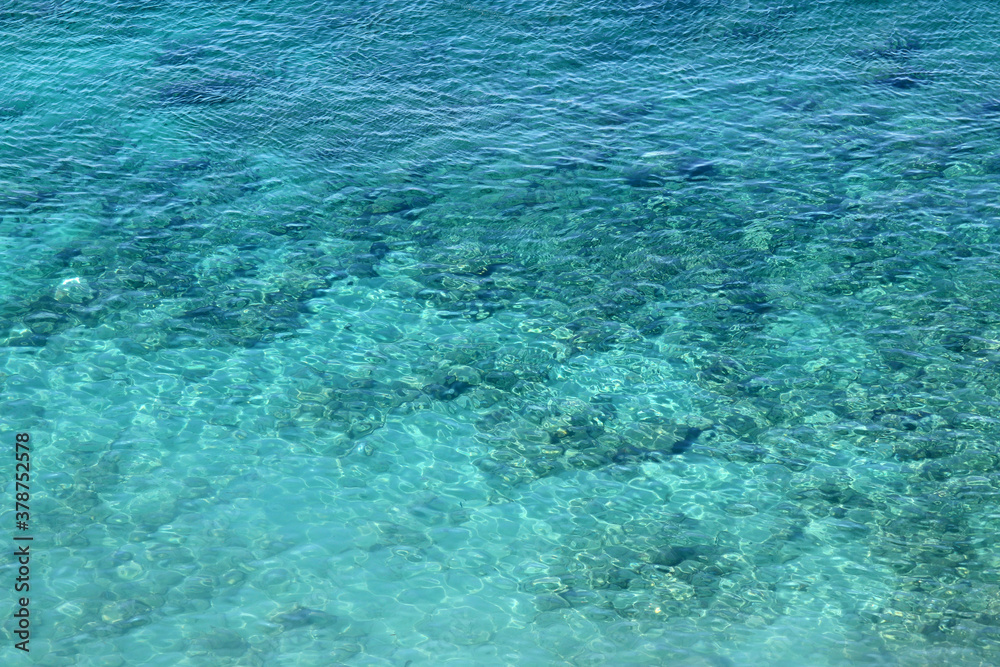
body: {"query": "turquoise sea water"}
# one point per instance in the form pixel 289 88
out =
pixel 508 333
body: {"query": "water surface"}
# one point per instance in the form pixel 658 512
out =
pixel 436 333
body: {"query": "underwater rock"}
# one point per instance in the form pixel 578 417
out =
pixel 221 641
pixel 503 380
pixel 960 169
pixel 207 92
pixel 378 250
pixel 594 333
pixel 903 80
pixel 896 418
pixel 550 602
pixel 493 419
pixel 799 103
pixel 389 204
pixel 474 310
pixel 650 327
pixel 24 200
pixel 642 177
pixel 501 267
pixel 748 30
pixel 337 274
pixel 587 461
pixel 752 308
pixel 722 370
pixel 186 165
pixel 494 297
pixel 10 112
pixel 682 445
pixel 480 310
pixel 564 163
pixel 366 233
pixel 199 587
pixel 959 342
pixel 918 451
pixel 362 270
pixel 303 616
pixel 293 229
pixel 45 322
pixel 465 374
pixel 672 556
pixel 697 169
pixel 579 436
pixel 898 48
pixel 433 295
pixel 604 408
pixel 212 313
pixel 126 614
pixel 402 202
pixel 34 340
pixel 67 254
pixel 632 453
pixel 987 110
pixel 446 392
pixel 74 290
pixel 182 54
pixel 616 579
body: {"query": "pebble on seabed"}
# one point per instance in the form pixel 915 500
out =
pixel 74 290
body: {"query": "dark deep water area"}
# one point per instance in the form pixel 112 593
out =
pixel 502 333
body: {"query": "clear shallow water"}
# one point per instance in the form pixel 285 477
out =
pixel 466 333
